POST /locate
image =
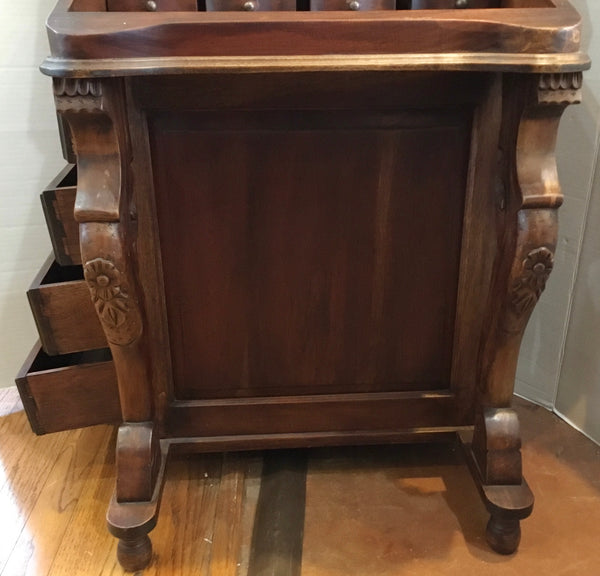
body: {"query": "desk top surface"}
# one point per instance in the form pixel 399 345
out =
pixel 523 36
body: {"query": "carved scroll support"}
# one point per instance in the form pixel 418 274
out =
pixel 96 118
pixel 528 221
pixel 528 228
pixel 94 111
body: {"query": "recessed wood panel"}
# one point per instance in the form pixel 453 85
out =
pixel 310 252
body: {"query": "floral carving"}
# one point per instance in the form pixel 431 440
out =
pixel 117 312
pixel 528 288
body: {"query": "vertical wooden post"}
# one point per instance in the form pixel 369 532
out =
pixel 95 112
pixel 528 228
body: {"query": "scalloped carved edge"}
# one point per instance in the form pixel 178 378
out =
pixel 560 89
pixel 77 87
pixel 118 312
pixel 77 94
pixel 528 288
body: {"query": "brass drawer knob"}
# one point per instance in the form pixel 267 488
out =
pixel 249 6
pixel 354 5
pixel 151 6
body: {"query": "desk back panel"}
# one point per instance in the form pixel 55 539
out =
pixel 310 252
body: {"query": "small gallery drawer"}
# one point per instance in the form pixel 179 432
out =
pixel 352 5
pixel 70 391
pixel 250 5
pixel 58 202
pixel 152 5
pixel 449 4
pixel 63 311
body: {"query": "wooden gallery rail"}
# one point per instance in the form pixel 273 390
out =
pixel 306 223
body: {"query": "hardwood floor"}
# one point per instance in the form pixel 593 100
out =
pixel 408 510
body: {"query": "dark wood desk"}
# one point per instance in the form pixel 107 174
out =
pixel 307 227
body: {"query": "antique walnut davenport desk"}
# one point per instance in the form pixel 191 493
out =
pixel 306 223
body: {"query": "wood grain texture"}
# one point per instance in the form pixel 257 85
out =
pixel 298 263
pixel 309 90
pixel 22 479
pixel 55 506
pixel 496 447
pixel 138 462
pixel 528 221
pixel 54 501
pixel 95 111
pixel 69 391
pixel 304 253
pixel 252 6
pixel 449 4
pixel 157 6
pixel 85 536
pixel 527 30
pixel 279 525
pixel 355 7
pixel 148 260
pixel 64 472
pixel 228 518
pixel 258 418
pixel 63 312
pixel 58 202
pixel 479 247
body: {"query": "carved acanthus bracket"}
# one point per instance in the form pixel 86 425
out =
pixel 527 289
pixel 77 94
pixel 95 110
pixel 91 109
pixel 528 225
pixel 118 312
pixel 560 89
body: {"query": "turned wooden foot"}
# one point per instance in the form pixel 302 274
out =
pixel 135 554
pixel 503 534
pixel 131 522
pixel 494 458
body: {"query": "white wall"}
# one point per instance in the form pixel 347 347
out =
pixel 29 158
pixel 560 358
pixel 578 394
pixel 542 350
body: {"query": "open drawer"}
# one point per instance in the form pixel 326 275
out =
pixel 69 391
pixel 58 202
pixel 63 310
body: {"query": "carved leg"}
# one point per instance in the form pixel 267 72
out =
pixel 494 457
pixel 527 232
pixel 134 554
pixel 104 208
pixel 503 533
pixel 134 508
pixel 131 521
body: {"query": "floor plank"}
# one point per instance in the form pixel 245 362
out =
pixel 87 549
pixel 395 511
pixel 26 462
pixel 228 518
pixel 52 513
pixel 183 537
pixel 251 496
pixel 279 525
